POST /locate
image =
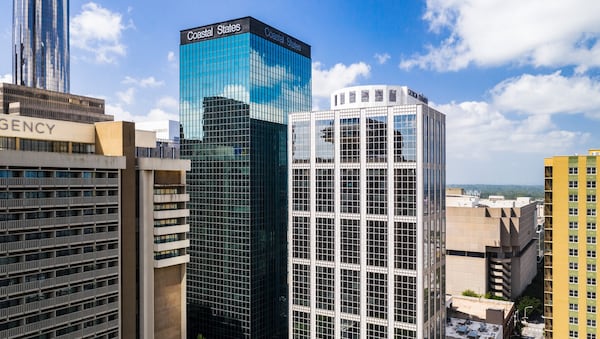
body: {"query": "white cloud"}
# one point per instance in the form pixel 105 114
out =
pixel 382 58
pixel 489 33
pixel 477 130
pixel 171 56
pixel 168 103
pixel 548 94
pixel 159 114
pixel 149 82
pixel 127 96
pixel 6 78
pixel 325 81
pixel 119 113
pixel 98 30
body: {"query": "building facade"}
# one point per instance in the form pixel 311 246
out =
pixel 367 218
pixel 239 80
pixel 491 245
pixel 570 241
pixel 41 44
pixel 73 200
pixel 41 103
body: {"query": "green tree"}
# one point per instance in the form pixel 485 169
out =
pixel 526 301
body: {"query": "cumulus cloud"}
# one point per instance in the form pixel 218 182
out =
pixel 490 33
pixel 548 94
pixel 149 82
pixel 97 30
pixel 382 58
pixel 127 96
pixel 477 129
pixel 6 78
pixel 119 113
pixel 168 103
pixel 325 81
pixel 171 56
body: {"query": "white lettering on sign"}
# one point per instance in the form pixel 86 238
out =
pixel 230 28
pixel 274 36
pixel 201 34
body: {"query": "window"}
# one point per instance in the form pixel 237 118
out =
pixel 591 336
pixel 591 184
pixel 573 334
pixel 573 280
pixel 392 95
pixel 591 170
pixel 591 322
pixel 572 184
pixel 591 281
pixel 364 96
pixel 591 240
pixel 352 97
pixel 573 211
pixel 573 225
pixel 591 267
pixel 573 238
pixel 342 98
pixel 573 170
pixel 378 95
pixel 591 226
pixel 591 198
pixel 573 197
pixel 591 212
pixel 573 320
pixel 591 295
pixel 573 307
pixel 591 254
pixel 573 252
pixel 573 293
pixel 591 309
pixel 573 266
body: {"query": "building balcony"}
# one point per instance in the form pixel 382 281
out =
pixel 164 230
pixel 171 214
pixel 172 245
pixel 178 260
pixel 168 198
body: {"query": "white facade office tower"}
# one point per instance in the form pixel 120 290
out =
pixel 367 217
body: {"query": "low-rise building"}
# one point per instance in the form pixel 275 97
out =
pixel 491 245
pixel 473 318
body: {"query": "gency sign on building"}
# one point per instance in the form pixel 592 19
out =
pixel 244 25
pixel 16 126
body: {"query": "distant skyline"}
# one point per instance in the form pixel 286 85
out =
pixel 518 81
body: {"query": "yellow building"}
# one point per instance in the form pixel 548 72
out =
pixel 570 261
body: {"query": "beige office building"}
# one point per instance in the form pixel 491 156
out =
pixel 72 198
pixel 491 244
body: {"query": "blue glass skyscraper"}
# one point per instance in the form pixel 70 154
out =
pixel 239 81
pixel 41 44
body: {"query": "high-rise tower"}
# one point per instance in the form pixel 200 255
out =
pixel 367 217
pixel 41 44
pixel 570 246
pixel 239 80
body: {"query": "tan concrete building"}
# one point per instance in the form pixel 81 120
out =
pixel 491 245
pixel 74 198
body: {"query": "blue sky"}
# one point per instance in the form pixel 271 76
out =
pixel 518 80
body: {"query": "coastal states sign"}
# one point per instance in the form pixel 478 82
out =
pixel 17 126
pixel 244 25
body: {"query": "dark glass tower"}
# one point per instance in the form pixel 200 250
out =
pixel 239 81
pixel 41 44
